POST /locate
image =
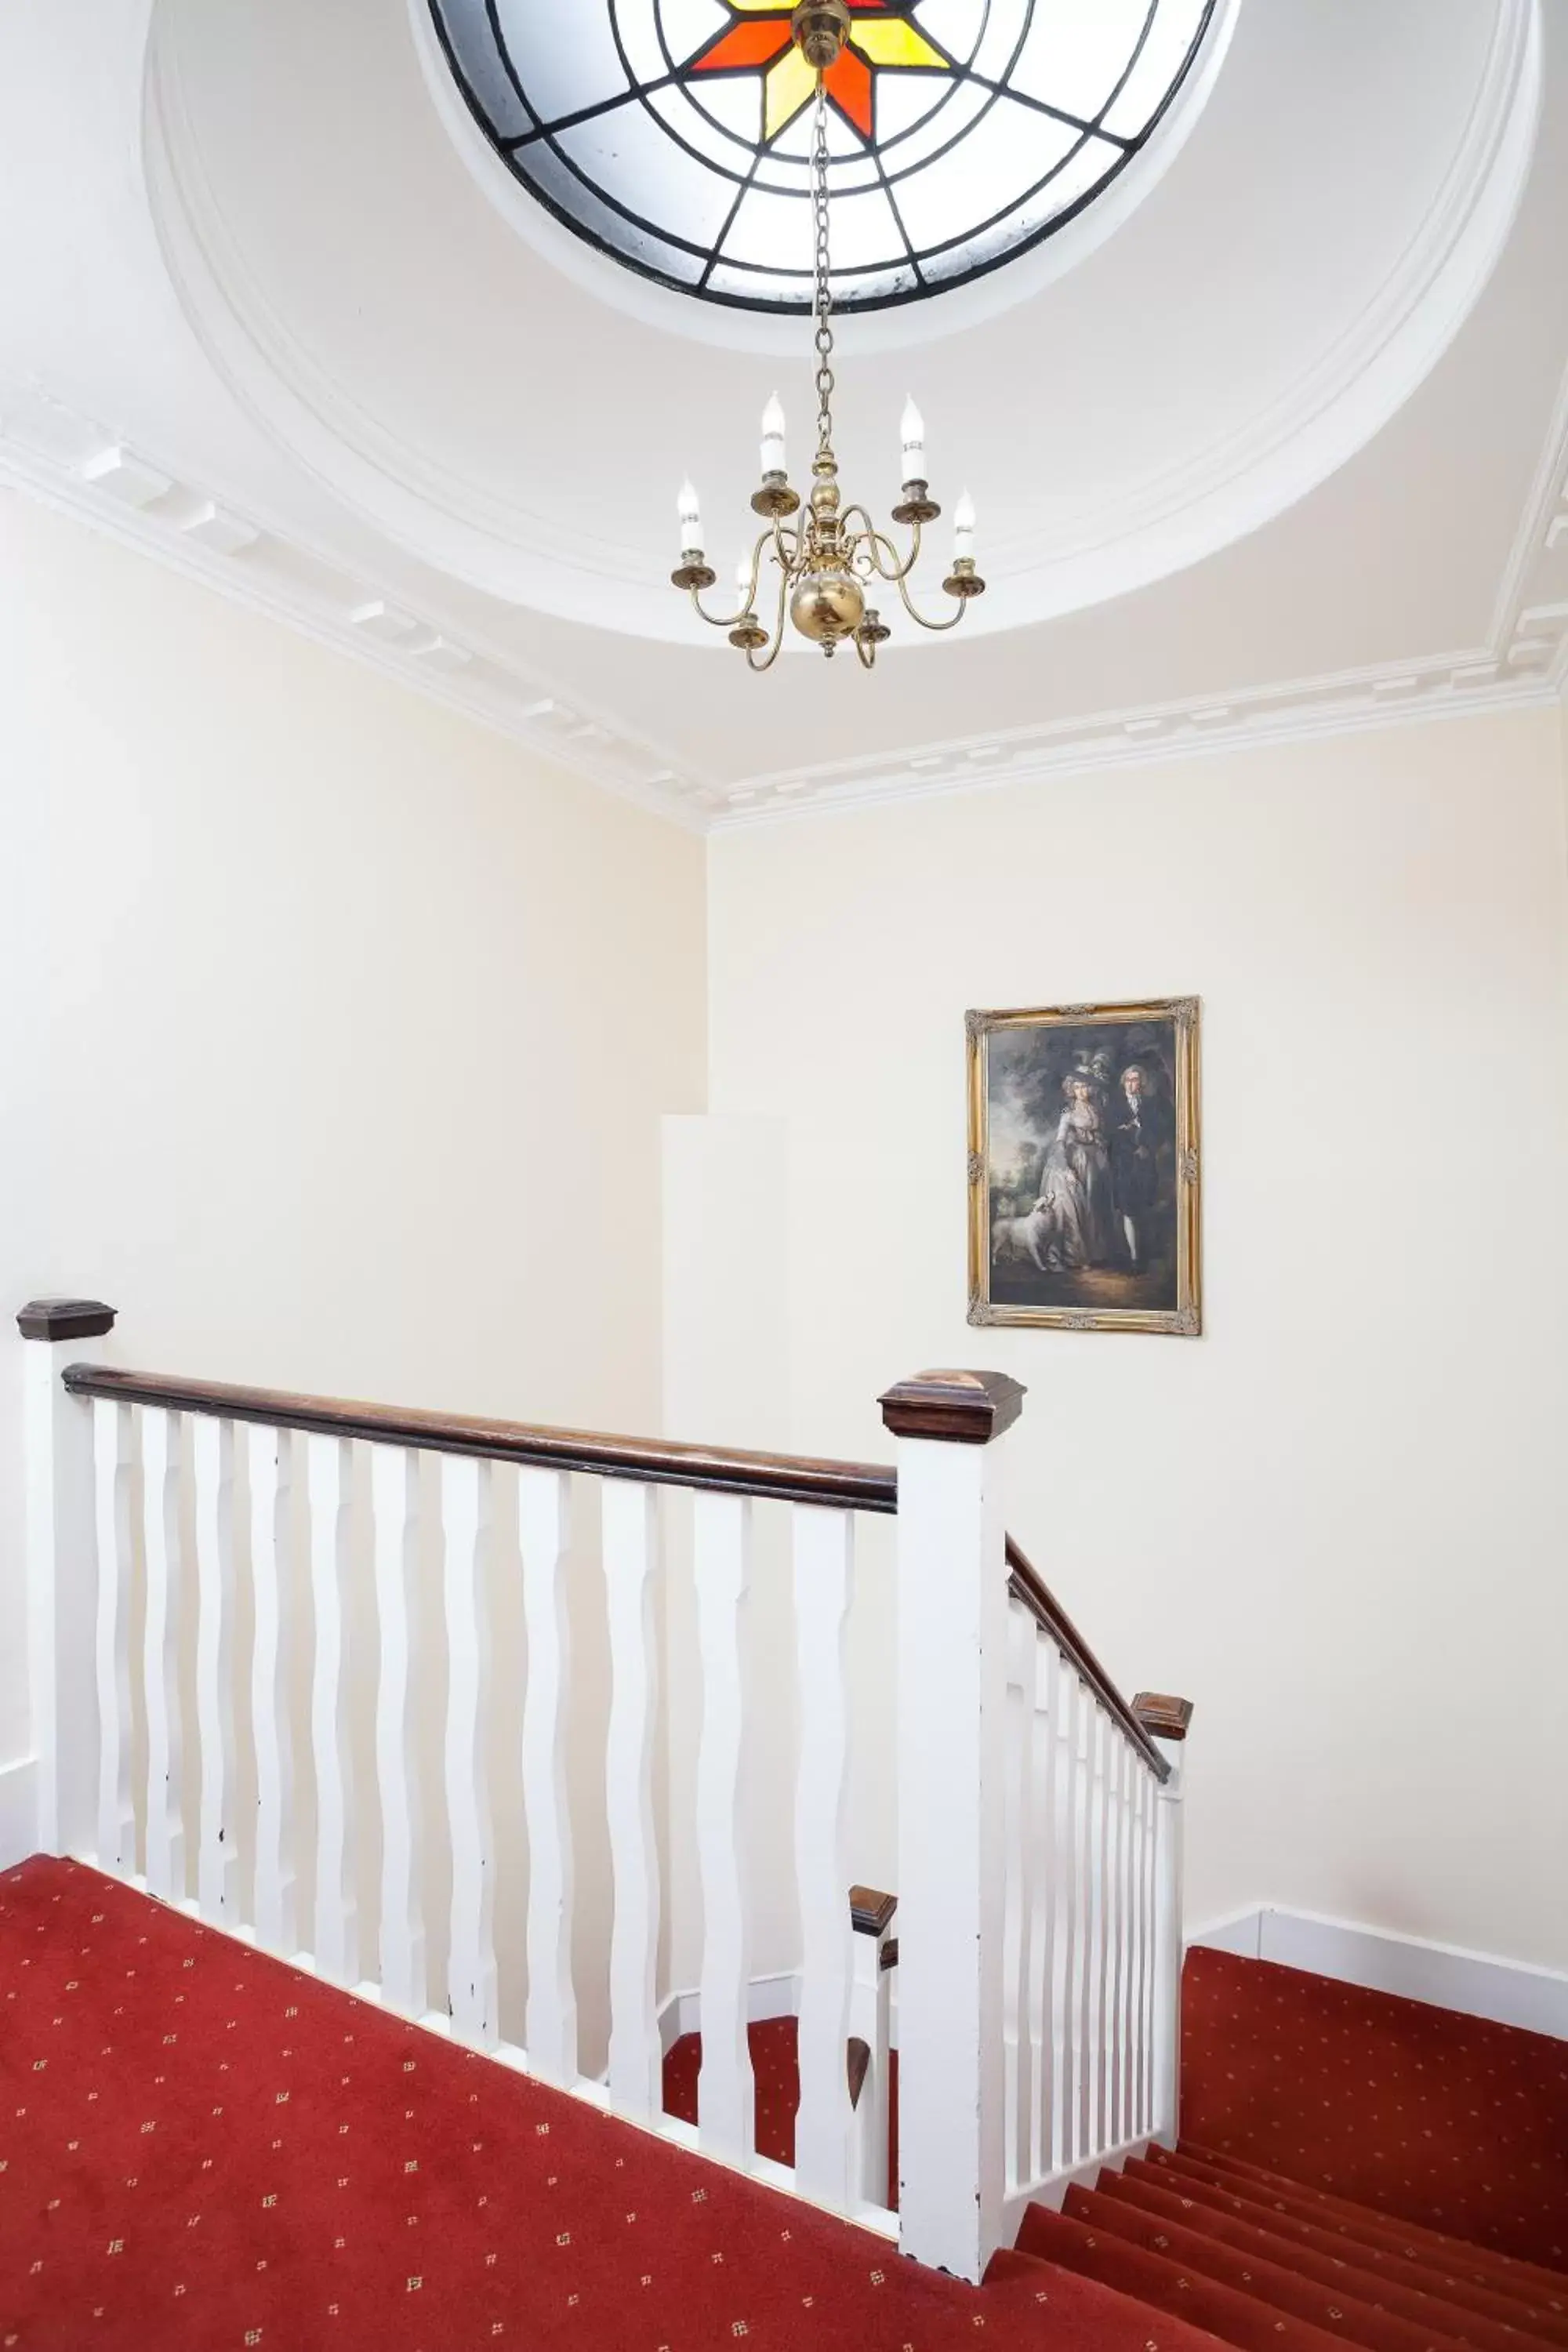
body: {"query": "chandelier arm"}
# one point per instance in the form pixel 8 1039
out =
pixel 776 645
pixel 912 609
pixel 893 569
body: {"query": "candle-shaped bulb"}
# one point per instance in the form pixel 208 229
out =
pixel 772 437
pixel 912 432
pixel 964 527
pixel 691 520
pixel 743 582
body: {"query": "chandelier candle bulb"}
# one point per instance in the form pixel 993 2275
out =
pixel 691 520
pixel 913 433
pixel 773 438
pixel 964 528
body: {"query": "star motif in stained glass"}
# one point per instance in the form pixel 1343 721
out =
pixel 883 39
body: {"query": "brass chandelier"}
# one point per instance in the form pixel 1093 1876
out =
pixel 827 561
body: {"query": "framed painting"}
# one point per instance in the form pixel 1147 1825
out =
pixel 1084 1175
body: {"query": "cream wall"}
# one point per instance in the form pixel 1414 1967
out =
pixel 1338 1520
pixel 336 1031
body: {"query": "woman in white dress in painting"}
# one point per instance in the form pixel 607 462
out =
pixel 1075 1183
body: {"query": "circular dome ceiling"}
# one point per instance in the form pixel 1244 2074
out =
pixel 675 135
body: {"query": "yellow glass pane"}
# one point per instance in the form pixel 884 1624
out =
pixel 894 41
pixel 791 85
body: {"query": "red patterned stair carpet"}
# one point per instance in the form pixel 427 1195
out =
pixel 201 2148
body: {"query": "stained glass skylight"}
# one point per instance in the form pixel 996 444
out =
pixel 675 135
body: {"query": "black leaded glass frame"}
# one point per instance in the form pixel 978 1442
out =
pixel 506 54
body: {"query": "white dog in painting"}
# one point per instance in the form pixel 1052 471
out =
pixel 1022 1237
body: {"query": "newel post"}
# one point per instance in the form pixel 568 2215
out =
pixel 951 1689
pixel 1166 1720
pixel 62 1569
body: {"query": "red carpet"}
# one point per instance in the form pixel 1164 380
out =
pixel 202 2149
pixel 1432 2118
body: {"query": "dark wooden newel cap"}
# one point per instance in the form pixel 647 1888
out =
pixel 966 1408
pixel 65 1318
pixel 871 1911
pixel 1163 1717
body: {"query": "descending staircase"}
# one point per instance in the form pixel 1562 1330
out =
pixel 1269 2265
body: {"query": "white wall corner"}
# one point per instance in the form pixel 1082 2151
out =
pixel 1476 1984
pixel 18 1811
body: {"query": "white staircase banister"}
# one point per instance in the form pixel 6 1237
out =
pixel 952 1692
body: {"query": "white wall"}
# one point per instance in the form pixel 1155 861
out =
pixel 1337 1522
pixel 334 1032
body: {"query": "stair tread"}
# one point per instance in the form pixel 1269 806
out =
pixel 1057 2300
pixel 1235 2317
pixel 1337 2268
pixel 1336 2309
pixel 1376 2249
pixel 1505 2268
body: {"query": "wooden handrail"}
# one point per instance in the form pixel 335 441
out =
pixel 1029 1587
pixel 781 1477
pixel 848 1486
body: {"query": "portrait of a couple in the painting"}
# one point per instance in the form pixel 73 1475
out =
pixel 1083 1167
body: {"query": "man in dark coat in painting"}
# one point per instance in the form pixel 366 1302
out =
pixel 1140 1131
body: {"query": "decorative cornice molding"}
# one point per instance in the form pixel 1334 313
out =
pixel 1523 663
pixel 73 464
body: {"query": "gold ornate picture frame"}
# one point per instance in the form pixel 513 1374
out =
pixel 1085 1178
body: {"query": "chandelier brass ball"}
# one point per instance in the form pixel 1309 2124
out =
pixel 827 606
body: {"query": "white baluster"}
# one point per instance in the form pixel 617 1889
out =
pixel 218 1852
pixel 825 2139
pixel 1132 1775
pixel 1115 1934
pixel 1065 1957
pixel 394 1498
pixel 551 2026
pixel 630 1543
pixel 1102 1928
pixel 1043 1745
pixel 1087 1899
pixel 328 1469
pixel 870 2019
pixel 114 1456
pixel 1018 1895
pixel 726 2092
pixel 471 1957
pixel 270 1454
pixel 161 1652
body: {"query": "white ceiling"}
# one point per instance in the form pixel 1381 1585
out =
pixel 1289 447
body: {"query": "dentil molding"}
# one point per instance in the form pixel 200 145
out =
pixel 79 467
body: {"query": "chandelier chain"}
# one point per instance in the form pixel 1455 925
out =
pixel 823 301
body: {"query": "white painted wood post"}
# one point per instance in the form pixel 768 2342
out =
pixel 951 1688
pixel 551 2014
pixel 61 1569
pixel 826 2156
pixel 471 1984
pixel 1166 1720
pixel 722 1566
pixel 217 1851
pixel 114 1448
pixel 394 1526
pixel 162 1551
pixel 329 1467
pixel 270 1457
pixel 629 1541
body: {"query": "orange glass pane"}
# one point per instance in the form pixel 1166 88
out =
pixel 744 48
pixel 848 81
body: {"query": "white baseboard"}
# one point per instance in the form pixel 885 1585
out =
pixel 1476 1984
pixel 772 1996
pixel 18 1811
